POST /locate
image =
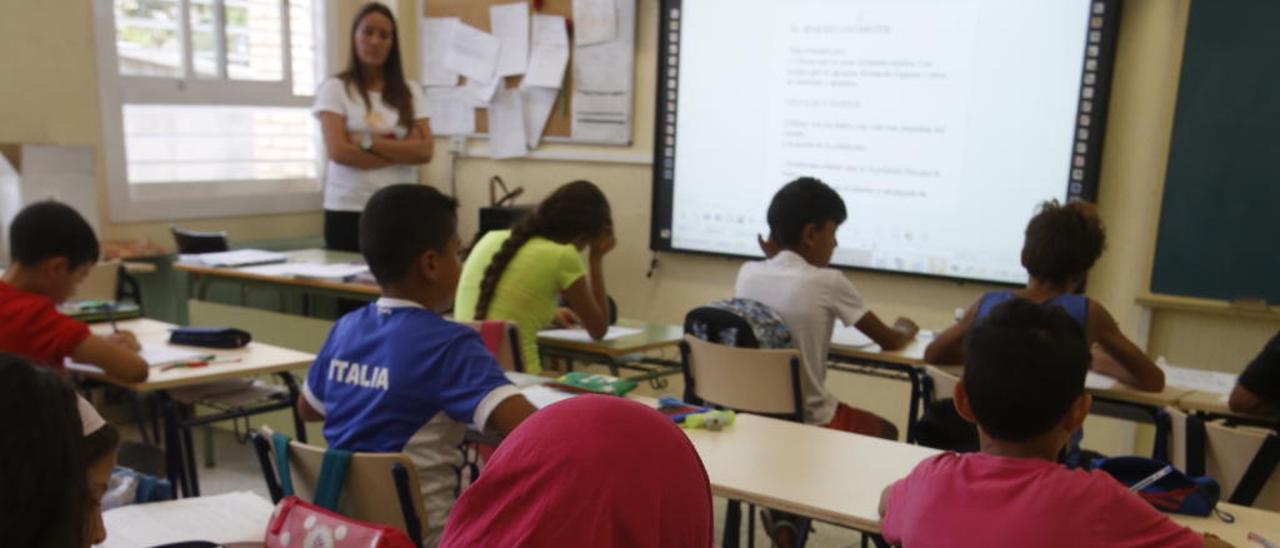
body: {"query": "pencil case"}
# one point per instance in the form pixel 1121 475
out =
pixel 210 337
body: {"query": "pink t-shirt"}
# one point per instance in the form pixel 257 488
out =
pixel 977 499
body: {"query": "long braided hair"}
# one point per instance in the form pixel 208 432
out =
pixel 573 212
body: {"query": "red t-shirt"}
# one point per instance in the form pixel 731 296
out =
pixel 31 326
pixel 977 499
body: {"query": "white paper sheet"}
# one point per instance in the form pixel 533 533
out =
pixel 450 111
pixel 594 21
pixel 510 23
pixel 1098 381
pixel 230 518
pixel 603 67
pixel 1216 382
pixel 525 380
pixel 506 125
pixel 541 395
pixel 434 39
pixel 278 269
pixel 538 103
pixel 239 257
pixel 472 53
pixel 848 335
pixel 548 53
pixel 601 117
pixel 159 355
pixel 580 335
pixel 480 94
pixel 331 272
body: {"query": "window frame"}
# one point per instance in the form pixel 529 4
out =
pixel 201 199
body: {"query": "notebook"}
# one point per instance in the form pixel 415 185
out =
pixel 239 257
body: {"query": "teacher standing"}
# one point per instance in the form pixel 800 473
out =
pixel 374 124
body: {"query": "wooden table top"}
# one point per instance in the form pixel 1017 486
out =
pixel 254 359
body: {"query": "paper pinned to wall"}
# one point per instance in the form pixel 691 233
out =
pixel 510 24
pixel 472 53
pixel 594 21
pixel 537 103
pixel 434 42
pixel 548 54
pixel 480 93
pixel 506 125
pixel 602 67
pixel 602 117
pixel 451 111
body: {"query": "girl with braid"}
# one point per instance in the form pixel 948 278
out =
pixel 517 275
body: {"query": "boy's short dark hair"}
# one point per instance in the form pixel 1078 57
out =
pixel 1025 365
pixel 400 223
pixel 1063 241
pixel 802 202
pixel 49 229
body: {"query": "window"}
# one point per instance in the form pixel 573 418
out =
pixel 206 106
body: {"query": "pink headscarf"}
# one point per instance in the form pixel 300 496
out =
pixel 588 471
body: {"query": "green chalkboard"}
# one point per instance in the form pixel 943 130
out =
pixel 1219 234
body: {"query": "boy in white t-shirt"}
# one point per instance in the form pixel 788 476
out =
pixel 795 282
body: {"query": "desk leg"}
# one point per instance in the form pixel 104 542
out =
pixel 913 414
pixel 192 485
pixel 732 524
pixel 299 427
pixel 172 447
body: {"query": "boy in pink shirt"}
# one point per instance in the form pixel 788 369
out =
pixel 1024 387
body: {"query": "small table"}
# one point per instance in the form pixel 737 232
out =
pixel 624 352
pixel 253 359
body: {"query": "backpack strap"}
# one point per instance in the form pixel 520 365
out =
pixel 280 443
pixel 1259 471
pixel 1195 446
pixel 333 471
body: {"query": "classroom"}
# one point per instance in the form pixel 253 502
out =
pixel 811 232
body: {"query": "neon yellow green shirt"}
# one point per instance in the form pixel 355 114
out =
pixel 526 293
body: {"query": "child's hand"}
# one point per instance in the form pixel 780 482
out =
pixel 126 340
pixel 906 327
pixel 767 246
pixel 565 318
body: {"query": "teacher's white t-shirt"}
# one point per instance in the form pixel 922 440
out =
pixel 348 188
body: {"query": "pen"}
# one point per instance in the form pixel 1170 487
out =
pixel 1151 479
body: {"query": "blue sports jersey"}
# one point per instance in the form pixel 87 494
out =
pixel 393 376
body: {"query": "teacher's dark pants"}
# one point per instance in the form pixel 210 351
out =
pixel 342 230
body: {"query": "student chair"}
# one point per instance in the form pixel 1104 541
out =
pixel 502 338
pixel 1243 460
pixel 378 487
pixel 760 381
pixel 190 241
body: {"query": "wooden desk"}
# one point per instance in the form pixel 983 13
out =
pixel 254 359
pixel 624 352
pixel 904 364
pixel 203 275
pixel 824 474
pixel 1248 520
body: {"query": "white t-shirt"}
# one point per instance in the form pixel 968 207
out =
pixel 348 188
pixel 809 299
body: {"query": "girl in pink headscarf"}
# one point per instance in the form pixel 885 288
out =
pixel 588 471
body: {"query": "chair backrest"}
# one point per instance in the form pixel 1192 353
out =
pixel 1228 452
pixel 506 348
pixel 738 322
pixel 944 382
pixel 102 282
pixel 370 492
pixel 765 382
pixel 190 241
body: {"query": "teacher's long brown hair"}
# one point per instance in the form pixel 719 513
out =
pixel 395 90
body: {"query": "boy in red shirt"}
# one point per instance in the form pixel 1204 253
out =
pixel 53 248
pixel 1024 387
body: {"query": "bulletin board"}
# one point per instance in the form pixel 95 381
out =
pixel 560 124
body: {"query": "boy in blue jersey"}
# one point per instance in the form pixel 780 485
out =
pixel 396 376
